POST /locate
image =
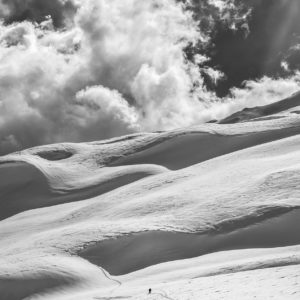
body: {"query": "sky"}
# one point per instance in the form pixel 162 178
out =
pixel 83 70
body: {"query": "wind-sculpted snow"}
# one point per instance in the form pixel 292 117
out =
pixel 31 183
pixel 276 228
pixel 40 274
pixel 235 186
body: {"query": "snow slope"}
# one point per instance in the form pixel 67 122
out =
pixel 274 110
pixel 236 187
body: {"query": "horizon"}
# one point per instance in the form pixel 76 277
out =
pixel 76 71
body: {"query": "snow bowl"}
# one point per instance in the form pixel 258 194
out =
pixel 55 155
pixel 191 148
pixel 129 253
pixel 21 186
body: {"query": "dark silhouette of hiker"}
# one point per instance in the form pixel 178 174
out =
pixel 149 291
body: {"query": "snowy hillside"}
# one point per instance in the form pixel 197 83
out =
pixel 205 212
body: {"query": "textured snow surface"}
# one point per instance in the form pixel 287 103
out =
pixel 57 200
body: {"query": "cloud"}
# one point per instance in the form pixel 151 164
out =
pixel 255 93
pixel 36 10
pixel 86 70
pixel 251 38
pixel 232 14
pixel 119 68
pixel 102 108
pixel 292 58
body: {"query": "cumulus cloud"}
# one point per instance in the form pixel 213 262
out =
pixel 36 10
pixel 256 93
pixel 120 67
pixel 99 107
pixel 86 70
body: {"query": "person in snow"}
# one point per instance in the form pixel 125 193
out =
pixel 149 291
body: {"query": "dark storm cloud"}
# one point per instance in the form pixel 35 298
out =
pixel 215 17
pixel 37 10
pixel 273 33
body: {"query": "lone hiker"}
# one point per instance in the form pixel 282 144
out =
pixel 149 291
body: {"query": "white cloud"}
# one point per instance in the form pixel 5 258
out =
pixel 255 93
pixel 116 67
pixel 99 107
pixel 53 82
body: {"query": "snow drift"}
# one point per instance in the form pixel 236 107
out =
pixel 137 202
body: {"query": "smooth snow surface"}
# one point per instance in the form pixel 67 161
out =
pixel 209 212
pixel 130 253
